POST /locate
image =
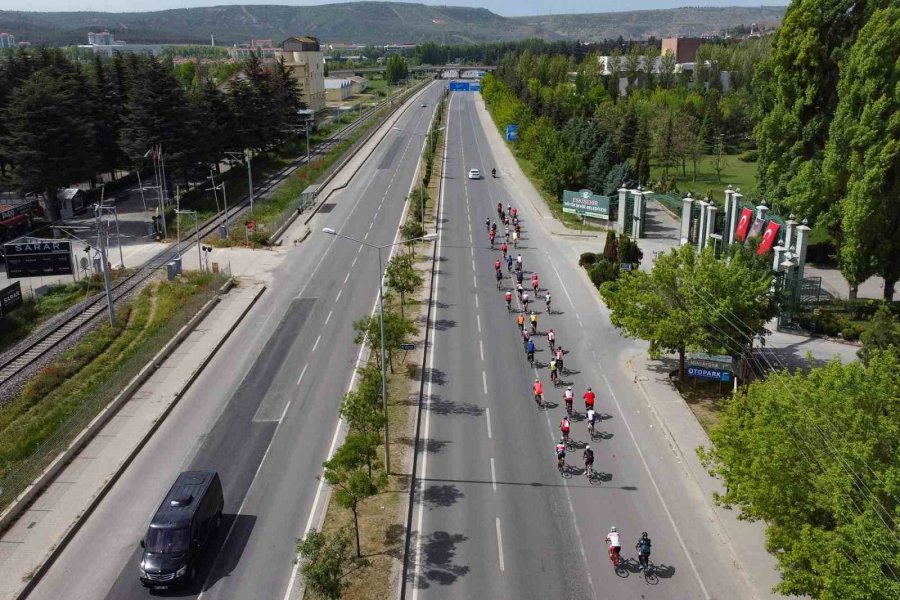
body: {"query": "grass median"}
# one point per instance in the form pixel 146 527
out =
pixel 57 403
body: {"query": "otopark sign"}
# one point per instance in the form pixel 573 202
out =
pixel 705 373
pixel 717 367
pixel 586 203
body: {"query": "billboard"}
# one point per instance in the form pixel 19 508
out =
pixel 586 203
pixel 38 258
pixel 10 298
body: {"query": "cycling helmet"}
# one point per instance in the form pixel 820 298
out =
pixel 643 534
pixel 590 389
pixel 612 529
pixel 588 447
pixel 562 441
pixel 569 389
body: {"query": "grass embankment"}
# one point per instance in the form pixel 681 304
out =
pixel 554 204
pixel 735 172
pixel 383 517
pixel 61 399
pixel 19 323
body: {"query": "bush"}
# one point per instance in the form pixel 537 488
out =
pixel 852 332
pixel 749 156
pixel 822 254
pixel 602 272
pixel 587 259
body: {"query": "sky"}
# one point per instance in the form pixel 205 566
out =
pixel 507 8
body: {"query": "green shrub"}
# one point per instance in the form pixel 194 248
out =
pixel 749 156
pixel 587 259
pixel 852 332
pixel 602 272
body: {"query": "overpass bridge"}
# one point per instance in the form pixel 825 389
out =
pixel 418 69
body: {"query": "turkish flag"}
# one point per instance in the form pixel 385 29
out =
pixel 743 223
pixel 768 237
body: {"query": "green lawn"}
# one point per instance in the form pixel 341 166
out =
pixel 735 172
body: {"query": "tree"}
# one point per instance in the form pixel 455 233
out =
pixel 50 142
pixel 397 331
pixel 692 300
pixel 628 251
pixel 107 106
pixel 351 482
pixel 719 161
pixel 599 167
pixel 881 334
pixel 862 157
pixel 611 248
pixel 814 456
pixel 395 69
pixel 327 560
pixel 663 141
pixel 402 277
pixel 619 176
pixel 797 93
pixel 363 411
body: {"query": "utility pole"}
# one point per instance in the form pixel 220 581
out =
pixel 104 264
pixel 249 177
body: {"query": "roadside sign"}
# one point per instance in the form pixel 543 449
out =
pixel 10 298
pixel 407 346
pixel 625 266
pixel 38 258
pixel 704 373
pixel 512 133
pixel 710 361
pixel 592 205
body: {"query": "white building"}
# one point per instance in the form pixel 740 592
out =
pixel 7 40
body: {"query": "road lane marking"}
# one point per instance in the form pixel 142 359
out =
pixel 476 301
pixel 487 413
pixel 328 318
pixel 284 412
pixel 474 282
pixel 478 320
pixel 472 251
pixel 473 264
pixel 500 545
pixel 316 345
pixel 354 261
pixel 481 347
pixel 348 273
pixel 359 250
pixel 493 475
pixel 302 373
pixel 484 381
pixel 341 291
pixel 437 277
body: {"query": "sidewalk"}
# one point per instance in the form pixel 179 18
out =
pixel 56 513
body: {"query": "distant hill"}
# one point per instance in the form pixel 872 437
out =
pixel 368 23
pixel 641 24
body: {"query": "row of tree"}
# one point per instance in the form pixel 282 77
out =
pixel 829 125
pixel 580 133
pixel 63 122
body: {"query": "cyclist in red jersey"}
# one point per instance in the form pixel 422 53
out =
pixel 589 398
pixel 538 391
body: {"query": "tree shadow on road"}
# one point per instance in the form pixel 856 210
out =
pixel 441 496
pixel 438 552
pixel 448 407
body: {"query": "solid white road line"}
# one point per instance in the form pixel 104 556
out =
pixel 427 432
pixel 493 475
pixel 500 545
pixel 302 373
pixel 487 414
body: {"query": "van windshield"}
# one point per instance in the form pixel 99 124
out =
pixel 168 541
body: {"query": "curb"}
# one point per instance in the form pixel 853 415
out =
pixel 110 411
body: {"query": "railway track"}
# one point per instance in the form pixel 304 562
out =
pixel 95 306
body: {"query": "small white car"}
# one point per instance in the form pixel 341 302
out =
pixel 474 174
pixel 424 105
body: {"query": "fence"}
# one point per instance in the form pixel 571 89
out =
pixel 16 476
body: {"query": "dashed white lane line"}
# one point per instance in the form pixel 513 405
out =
pixel 316 345
pixel 359 250
pixel 500 545
pixel 341 291
pixel 478 321
pixel 328 318
pixel 487 414
pixel 476 301
pixel 473 264
pixel 474 281
pixel 348 274
pixel 354 262
pixel 302 373
pixel 493 475
pixel 481 349
pixel 484 382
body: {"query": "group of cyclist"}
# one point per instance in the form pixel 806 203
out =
pixel 514 265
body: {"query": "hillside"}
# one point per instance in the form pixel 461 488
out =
pixel 360 22
pixel 369 23
pixel 641 24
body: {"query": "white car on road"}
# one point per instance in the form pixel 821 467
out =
pixel 474 174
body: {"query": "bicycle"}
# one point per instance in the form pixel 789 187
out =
pixel 539 400
pixel 591 431
pixel 589 471
pixel 561 465
pixel 613 556
pixel 531 358
pixel 554 378
pixel 568 406
pixel 534 328
pixel 509 305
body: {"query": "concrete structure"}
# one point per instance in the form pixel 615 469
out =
pixel 684 49
pixel 262 48
pixel 337 90
pixel 358 84
pixel 123 48
pixel 7 40
pixel 304 59
pixel 102 38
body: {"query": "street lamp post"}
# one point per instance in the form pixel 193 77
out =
pixel 224 199
pixel 193 213
pixel 104 264
pixel 246 155
pixel 384 400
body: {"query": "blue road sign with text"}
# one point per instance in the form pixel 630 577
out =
pixel 705 373
pixel 512 133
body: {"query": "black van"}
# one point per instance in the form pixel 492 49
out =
pixel 180 529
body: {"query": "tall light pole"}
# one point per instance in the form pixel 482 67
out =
pixel 224 198
pixel 384 398
pixel 428 135
pixel 104 264
pixel 246 155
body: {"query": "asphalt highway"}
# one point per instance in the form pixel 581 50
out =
pixel 494 518
pixel 264 412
